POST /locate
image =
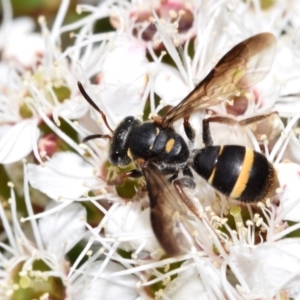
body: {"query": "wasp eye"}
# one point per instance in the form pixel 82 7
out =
pixel 113 158
pixel 118 158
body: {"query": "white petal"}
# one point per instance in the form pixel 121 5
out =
pixel 122 62
pixel 169 86
pixel 188 285
pixel 25 49
pixel 289 178
pixel 122 82
pixel 130 219
pixel 22 25
pixel 16 27
pixel 65 175
pixel 196 282
pixel 266 267
pixel 285 70
pixel 121 221
pixel 142 227
pixel 123 287
pixel 4 73
pixel 292 151
pixel 72 109
pixel 16 141
pixel 61 231
pixel 288 106
pixel 120 101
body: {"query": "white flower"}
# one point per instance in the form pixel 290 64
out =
pixel 269 269
pixel 18 42
pixel 67 228
pixel 35 262
pixel 289 176
pixel 66 175
pixel 32 91
pixel 155 56
pixel 216 245
pixel 137 19
pixel 20 48
pixel 122 81
pixel 189 285
pixel 106 287
pixel 134 225
pixel 17 141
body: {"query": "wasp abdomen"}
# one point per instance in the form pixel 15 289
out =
pixel 237 172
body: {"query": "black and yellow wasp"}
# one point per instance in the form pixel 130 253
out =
pixel 236 171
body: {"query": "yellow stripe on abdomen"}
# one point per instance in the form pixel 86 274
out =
pixel 243 177
pixel 212 175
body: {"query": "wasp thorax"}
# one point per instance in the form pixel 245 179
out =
pixel 162 145
pixel 142 141
pixel 118 154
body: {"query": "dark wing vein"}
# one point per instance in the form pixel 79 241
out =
pixel 243 66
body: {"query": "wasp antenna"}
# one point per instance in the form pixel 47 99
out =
pixel 93 104
pixel 96 136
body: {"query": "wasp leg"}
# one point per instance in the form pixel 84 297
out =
pixel 189 131
pixel 173 177
pixel 187 201
pixel 186 181
pixel 187 172
pixel 130 174
pixel 206 135
pixel 258 118
pixel 96 136
pixel 169 170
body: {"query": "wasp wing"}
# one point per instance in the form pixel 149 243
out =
pixel 168 213
pixel 243 66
